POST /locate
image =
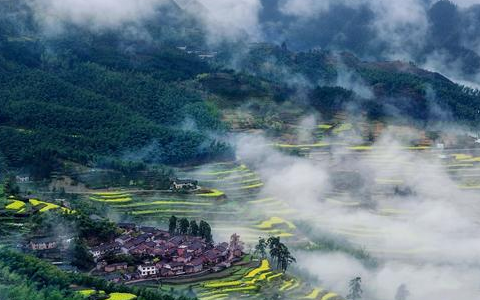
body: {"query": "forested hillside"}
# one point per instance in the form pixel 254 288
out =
pixel 381 89
pixel 80 98
pixel 84 95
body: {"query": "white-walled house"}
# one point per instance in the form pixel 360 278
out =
pixel 147 270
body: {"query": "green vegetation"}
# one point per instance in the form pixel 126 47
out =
pixel 27 277
pixel 15 286
pixel 126 174
pixel 89 100
pixel 2 194
pixel 183 227
pixel 280 253
pixel 393 84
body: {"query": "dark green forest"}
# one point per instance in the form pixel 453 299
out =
pixel 87 96
pixel 71 107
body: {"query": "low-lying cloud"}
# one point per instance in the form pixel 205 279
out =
pixel 425 238
pixel 105 14
pixel 223 20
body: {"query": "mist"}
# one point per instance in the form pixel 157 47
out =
pixel 108 14
pixel 439 35
pixel 425 239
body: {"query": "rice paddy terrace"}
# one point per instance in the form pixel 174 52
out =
pixel 394 169
pixel 231 205
pixel 233 201
pixel 14 225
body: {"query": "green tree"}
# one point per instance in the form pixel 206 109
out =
pixel 286 258
pixel 261 248
pixel 172 225
pixel 279 253
pixel 355 289
pixel 81 258
pixel 183 228
pixel 193 228
pixel 205 231
pixel 275 251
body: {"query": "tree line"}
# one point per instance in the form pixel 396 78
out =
pixel 184 227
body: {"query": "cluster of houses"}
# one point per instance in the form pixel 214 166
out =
pixel 163 255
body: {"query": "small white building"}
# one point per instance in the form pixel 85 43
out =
pixel 22 179
pixel 147 270
pixel 183 184
pixel 43 244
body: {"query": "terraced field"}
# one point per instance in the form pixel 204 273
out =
pixel 258 282
pixel 233 201
pixel 101 294
pixel 234 205
pixel 263 279
pixel 396 168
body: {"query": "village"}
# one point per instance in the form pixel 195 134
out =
pixel 165 255
pixel 155 254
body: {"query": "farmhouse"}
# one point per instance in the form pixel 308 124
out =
pixel 194 266
pixel 43 244
pixel 103 249
pixel 116 267
pixel 147 270
pixel 114 277
pixel 176 267
pixel 183 184
pixel 22 179
pixel 212 257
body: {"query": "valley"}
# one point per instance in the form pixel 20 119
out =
pixel 234 149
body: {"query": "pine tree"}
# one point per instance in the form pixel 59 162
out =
pixel 286 258
pixel 274 246
pixel 261 248
pixel 193 228
pixel 172 225
pixel 208 233
pixel 356 291
pixel 183 228
pixel 201 229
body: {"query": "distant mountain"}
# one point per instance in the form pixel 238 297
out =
pixel 381 89
pixel 452 33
